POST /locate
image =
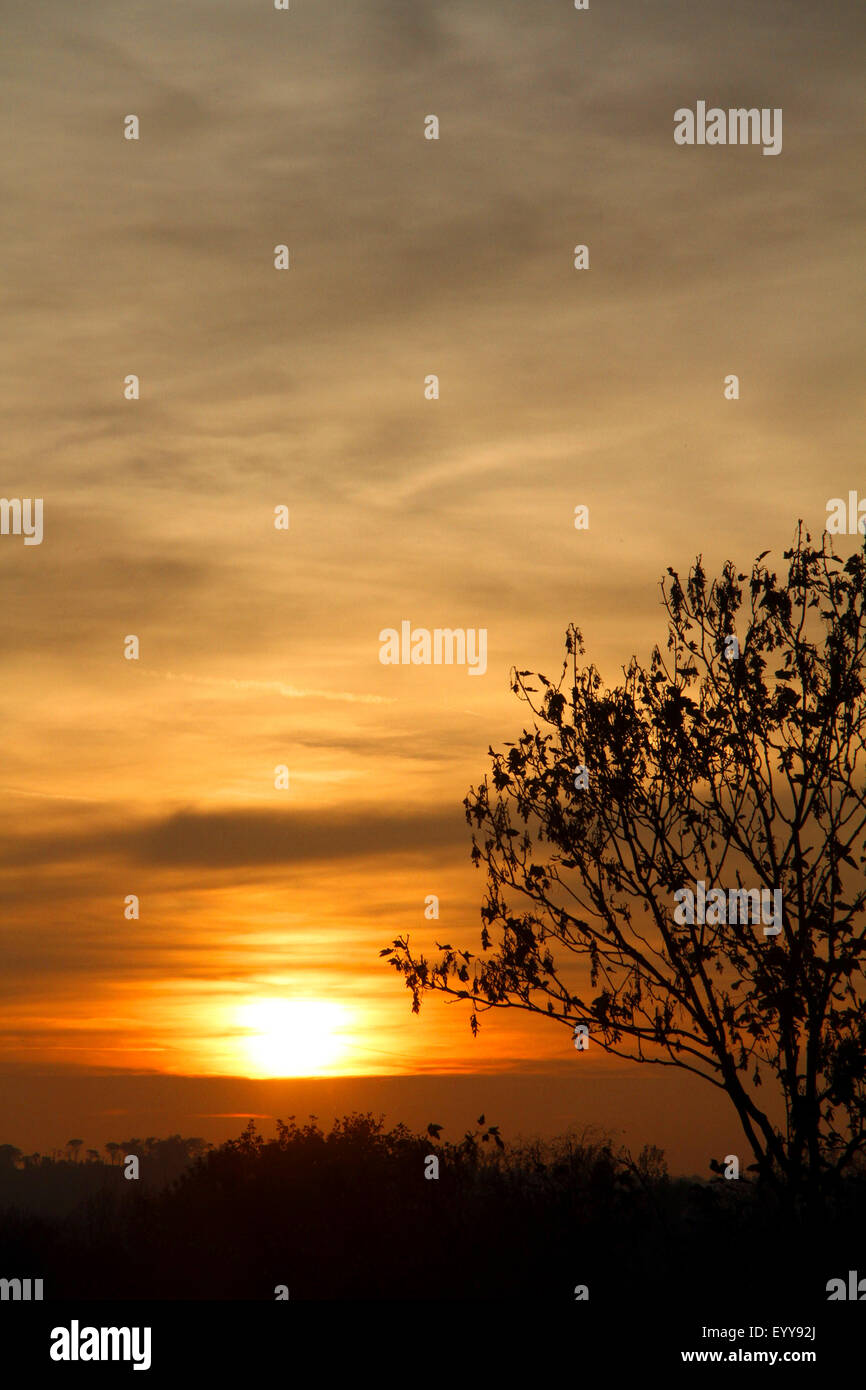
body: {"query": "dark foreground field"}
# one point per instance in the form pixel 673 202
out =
pixel 350 1215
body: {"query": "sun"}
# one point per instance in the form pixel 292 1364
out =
pixel 292 1037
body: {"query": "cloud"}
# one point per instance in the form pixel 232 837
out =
pixel 231 838
pixel 289 692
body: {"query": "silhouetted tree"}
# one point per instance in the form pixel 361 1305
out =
pixel 730 763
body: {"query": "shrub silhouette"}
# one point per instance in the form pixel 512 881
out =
pixel 349 1214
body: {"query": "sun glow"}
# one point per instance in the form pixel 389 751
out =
pixel 292 1037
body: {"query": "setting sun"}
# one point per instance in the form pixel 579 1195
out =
pixel 292 1037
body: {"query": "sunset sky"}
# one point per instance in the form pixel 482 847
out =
pixel 305 388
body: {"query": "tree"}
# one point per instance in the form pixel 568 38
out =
pixel 74 1145
pixel 738 764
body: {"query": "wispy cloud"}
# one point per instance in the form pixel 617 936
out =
pixel 289 692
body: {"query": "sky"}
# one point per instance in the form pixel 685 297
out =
pixel 304 388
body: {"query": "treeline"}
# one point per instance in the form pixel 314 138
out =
pixel 59 1182
pixel 365 1212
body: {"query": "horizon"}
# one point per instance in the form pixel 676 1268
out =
pixel 539 1104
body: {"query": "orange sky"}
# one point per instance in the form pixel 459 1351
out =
pixel 305 388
